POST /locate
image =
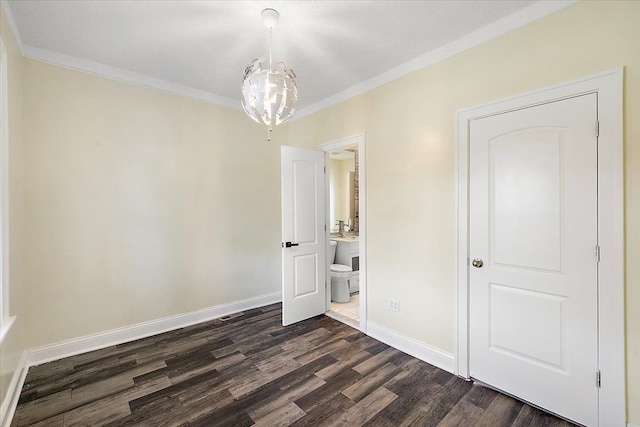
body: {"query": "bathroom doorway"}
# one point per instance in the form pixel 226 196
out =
pixel 346 222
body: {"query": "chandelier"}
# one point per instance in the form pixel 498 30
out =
pixel 269 91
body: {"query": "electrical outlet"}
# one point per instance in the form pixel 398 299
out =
pixel 394 304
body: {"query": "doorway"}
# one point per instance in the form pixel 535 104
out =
pixel 538 306
pixel 346 228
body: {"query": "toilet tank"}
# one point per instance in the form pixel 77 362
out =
pixel 332 255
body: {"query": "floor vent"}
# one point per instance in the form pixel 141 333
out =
pixel 231 316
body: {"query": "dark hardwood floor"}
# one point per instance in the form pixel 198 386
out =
pixel 249 370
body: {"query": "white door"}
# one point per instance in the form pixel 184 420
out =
pixel 303 234
pixel 532 246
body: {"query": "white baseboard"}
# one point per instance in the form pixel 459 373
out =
pixel 632 425
pixel 431 355
pixel 10 401
pixel 59 350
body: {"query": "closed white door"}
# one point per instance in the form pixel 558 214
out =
pixel 532 246
pixel 303 234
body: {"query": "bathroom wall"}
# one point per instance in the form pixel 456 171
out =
pixel 140 204
pixel 13 345
pixel 411 161
pixel 336 193
pixel 338 190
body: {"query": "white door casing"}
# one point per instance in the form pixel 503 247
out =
pixel 303 227
pixel 611 402
pixel 533 224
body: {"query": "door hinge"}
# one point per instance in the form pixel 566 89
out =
pixel 325 170
pixel 597 128
pixel 467 261
pixel 597 253
pixel 598 378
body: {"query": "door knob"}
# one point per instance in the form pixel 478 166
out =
pixel 477 262
pixel 289 244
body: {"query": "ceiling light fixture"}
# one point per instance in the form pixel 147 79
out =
pixel 269 95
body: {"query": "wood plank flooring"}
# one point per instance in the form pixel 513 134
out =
pixel 249 370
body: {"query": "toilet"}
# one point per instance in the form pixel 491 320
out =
pixel 340 275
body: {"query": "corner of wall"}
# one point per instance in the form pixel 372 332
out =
pixel 10 401
pixel 12 350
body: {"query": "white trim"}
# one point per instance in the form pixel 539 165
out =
pixel 608 86
pixel 12 397
pixel 362 250
pixel 4 4
pixel 412 347
pixel 360 141
pixel 5 308
pixel 632 425
pixel 100 340
pixel 5 325
pixel 126 76
pixel 498 28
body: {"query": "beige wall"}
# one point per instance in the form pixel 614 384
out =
pixel 411 210
pixel 14 344
pixel 140 205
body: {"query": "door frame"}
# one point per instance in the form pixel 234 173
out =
pixel 358 140
pixel 611 342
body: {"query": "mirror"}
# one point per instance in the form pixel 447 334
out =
pixel 343 188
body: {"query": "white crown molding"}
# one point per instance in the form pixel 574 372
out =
pixel 482 35
pixel 412 347
pixel 126 76
pixel 59 350
pixel 10 402
pixel 4 4
pixel 498 28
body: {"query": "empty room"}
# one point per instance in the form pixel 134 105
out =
pixel 320 213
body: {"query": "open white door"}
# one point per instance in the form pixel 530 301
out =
pixel 303 234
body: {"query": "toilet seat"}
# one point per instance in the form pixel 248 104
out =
pixel 341 268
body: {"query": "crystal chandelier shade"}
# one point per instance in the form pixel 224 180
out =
pixel 269 91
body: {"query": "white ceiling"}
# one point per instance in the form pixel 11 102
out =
pixel 200 48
